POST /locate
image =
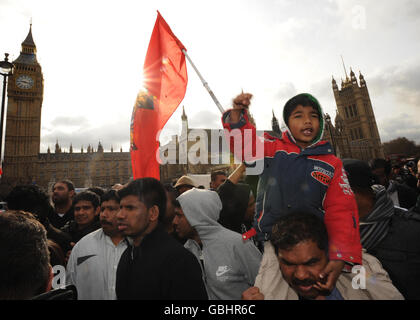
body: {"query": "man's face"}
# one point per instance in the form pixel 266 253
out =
pixel 219 179
pixel 301 266
pixel 84 213
pixel 108 217
pixel 182 226
pixel 381 176
pixel 304 125
pixel 134 217
pixel 61 193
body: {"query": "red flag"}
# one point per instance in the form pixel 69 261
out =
pixel 165 83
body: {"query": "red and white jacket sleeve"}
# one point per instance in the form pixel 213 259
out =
pixel 241 136
pixel 342 219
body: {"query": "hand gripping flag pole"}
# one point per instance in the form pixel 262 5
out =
pixel 205 84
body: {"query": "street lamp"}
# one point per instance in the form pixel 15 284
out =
pixel 328 121
pixel 6 69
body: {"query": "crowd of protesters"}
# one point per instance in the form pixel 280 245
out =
pixel 300 234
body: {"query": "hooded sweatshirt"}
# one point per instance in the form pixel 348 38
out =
pixel 309 180
pixel 230 265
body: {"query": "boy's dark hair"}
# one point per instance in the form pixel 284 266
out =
pixel 149 191
pixel 24 256
pixel 381 163
pixel 110 195
pixel 30 198
pixel 303 99
pixel 87 196
pixel 68 183
pixel 214 174
pixel 294 228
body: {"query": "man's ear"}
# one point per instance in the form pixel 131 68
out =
pixel 154 213
pixel 50 279
pixel 97 210
pixel 71 194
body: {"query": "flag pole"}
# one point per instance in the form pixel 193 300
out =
pixel 205 84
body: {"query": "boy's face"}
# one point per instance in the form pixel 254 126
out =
pixel 304 125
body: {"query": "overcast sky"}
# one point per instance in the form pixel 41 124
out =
pixel 92 54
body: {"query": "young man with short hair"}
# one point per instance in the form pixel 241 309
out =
pixel 301 173
pixel 229 264
pixel 93 262
pixel 86 210
pixel 154 266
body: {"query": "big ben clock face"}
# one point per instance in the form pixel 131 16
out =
pixel 24 82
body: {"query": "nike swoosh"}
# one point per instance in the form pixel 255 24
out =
pixel 80 260
pixel 221 273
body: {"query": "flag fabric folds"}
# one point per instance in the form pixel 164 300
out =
pixel 165 84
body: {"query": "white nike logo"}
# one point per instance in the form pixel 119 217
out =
pixel 222 270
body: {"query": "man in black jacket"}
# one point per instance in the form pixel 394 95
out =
pixel 389 233
pixel 154 266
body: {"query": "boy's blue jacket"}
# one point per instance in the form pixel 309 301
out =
pixel 310 180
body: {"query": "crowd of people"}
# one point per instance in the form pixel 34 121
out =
pixel 312 220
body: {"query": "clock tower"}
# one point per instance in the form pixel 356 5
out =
pixel 23 123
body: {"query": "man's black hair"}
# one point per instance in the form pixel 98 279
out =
pixel 171 190
pixel 68 183
pixel 298 227
pixel 24 256
pixel 87 196
pixel 176 204
pixel 303 99
pixel 110 195
pixel 359 174
pixel 98 190
pixel 30 198
pixel 149 191
pixel 381 163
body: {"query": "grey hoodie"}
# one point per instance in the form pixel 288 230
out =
pixel 230 264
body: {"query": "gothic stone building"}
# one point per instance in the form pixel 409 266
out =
pixel 23 163
pixel 355 134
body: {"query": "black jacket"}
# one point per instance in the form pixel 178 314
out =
pixel 159 269
pixel 235 198
pixel 72 229
pixel 399 252
pixel 58 221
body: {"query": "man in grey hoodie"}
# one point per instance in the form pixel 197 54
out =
pixel 229 264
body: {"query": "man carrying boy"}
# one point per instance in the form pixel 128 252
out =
pixel 301 173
